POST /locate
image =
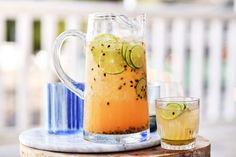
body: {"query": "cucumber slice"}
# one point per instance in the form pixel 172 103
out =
pixel 104 43
pixel 137 56
pixel 172 110
pixel 127 56
pixel 112 62
pixel 124 48
pixel 141 88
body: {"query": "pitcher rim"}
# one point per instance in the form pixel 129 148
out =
pixel 110 15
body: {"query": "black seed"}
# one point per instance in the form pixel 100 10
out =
pixel 94 79
pixel 131 85
pixel 136 98
pixel 102 44
pixel 129 50
pixel 121 78
pixel 125 66
pixel 119 87
pixel 98 65
pixel 108 103
pixel 92 69
pixel 103 54
pixel 91 49
pixel 105 74
pixel 135 86
pixel 91 87
pixel 173 113
pixel 131 81
pixel 136 80
pixel 124 84
pixel 108 46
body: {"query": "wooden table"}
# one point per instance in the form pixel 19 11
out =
pixel 202 150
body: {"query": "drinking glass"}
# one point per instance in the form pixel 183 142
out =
pixel 177 122
pixel 65 109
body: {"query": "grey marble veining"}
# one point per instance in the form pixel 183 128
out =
pixel 40 139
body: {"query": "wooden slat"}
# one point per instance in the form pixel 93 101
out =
pixel 178 48
pixel 197 43
pixel 2 29
pixel 23 39
pixel 157 58
pixel 229 101
pixel 2 87
pixel 75 49
pixel 48 35
pixel 214 71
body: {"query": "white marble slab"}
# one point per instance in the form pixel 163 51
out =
pixel 40 139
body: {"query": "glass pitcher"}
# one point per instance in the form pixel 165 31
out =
pixel 116 109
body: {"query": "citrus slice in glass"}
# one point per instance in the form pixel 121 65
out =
pixel 127 56
pixel 124 48
pixel 137 56
pixel 141 88
pixel 112 62
pixel 172 110
pixel 104 43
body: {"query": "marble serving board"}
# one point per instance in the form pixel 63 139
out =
pixel 40 139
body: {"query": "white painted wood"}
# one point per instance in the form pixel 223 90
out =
pixel 214 81
pixel 2 28
pixel 159 48
pixel 229 95
pixel 130 4
pixel 82 8
pixel 48 35
pixel 2 87
pixel 74 48
pixel 2 102
pixel 197 43
pixel 234 5
pixel 24 42
pixel 178 41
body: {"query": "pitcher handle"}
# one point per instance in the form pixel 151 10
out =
pixel 67 80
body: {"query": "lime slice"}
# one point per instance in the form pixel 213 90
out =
pixel 137 56
pixel 124 48
pixel 104 43
pixel 141 88
pixel 112 62
pixel 172 110
pixel 127 56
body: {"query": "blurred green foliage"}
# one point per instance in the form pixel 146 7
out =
pixel 10 30
pixel 36 36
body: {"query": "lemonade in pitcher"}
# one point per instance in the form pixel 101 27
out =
pixel 116 101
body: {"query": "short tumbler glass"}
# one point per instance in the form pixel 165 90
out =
pixel 177 122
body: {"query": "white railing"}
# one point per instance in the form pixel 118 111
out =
pixel 194 40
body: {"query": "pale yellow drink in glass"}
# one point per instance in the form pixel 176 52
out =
pixel 177 122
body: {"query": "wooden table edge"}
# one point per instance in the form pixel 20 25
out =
pixel 203 148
